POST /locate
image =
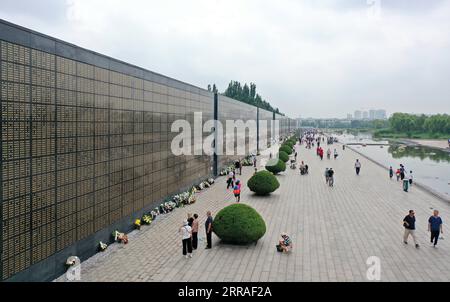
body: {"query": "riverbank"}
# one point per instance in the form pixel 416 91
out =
pixel 418 184
pixel 441 144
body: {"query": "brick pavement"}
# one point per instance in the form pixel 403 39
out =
pixel 334 231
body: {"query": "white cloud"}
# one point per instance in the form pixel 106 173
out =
pixel 306 57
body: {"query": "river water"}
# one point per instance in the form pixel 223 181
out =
pixel 431 167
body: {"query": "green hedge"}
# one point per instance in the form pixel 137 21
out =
pixel 283 156
pixel 239 224
pixel 286 148
pixel 289 144
pixel 263 183
pixel 276 165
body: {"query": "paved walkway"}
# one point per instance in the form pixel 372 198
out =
pixel 334 231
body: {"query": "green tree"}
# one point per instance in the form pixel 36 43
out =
pixel 247 94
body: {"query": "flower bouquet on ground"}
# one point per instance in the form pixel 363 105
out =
pixel 147 219
pixel 169 206
pixel 181 198
pixel 200 186
pixel 154 213
pixel 191 198
pixel 120 237
pixel 137 224
pixel 72 260
pixel 102 246
pixel 162 209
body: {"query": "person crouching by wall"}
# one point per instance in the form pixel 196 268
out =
pixel 285 244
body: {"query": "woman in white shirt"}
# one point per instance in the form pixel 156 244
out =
pixel 186 233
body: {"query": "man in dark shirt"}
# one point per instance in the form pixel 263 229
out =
pixel 237 165
pixel 409 222
pixel 435 227
pixel 208 228
pixel 331 177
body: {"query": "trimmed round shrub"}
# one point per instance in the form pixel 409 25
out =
pixel 239 224
pixel 286 148
pixel 263 183
pixel 276 165
pixel 289 144
pixel 283 156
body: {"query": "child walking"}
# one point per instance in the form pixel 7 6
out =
pixel 237 191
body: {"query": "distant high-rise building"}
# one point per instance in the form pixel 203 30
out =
pixel 349 116
pixel 358 115
pixel 372 114
pixel 365 115
pixel 380 114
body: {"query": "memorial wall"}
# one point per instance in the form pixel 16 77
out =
pixel 85 148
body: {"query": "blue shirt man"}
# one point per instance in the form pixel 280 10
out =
pixel 435 227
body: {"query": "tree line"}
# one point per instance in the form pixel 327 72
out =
pixel 245 93
pixel 412 123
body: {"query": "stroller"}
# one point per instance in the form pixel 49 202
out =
pixel 293 165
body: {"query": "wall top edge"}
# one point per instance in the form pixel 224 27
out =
pixel 17 34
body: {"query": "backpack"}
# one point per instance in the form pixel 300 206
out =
pixel 236 190
pixel 279 249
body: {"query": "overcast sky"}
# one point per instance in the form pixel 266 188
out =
pixel 320 58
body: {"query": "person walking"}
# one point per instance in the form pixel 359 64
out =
pixel 435 227
pixel 402 172
pixel 405 184
pixel 331 177
pixel 397 174
pixel 195 232
pixel 208 228
pixel 410 178
pixel 295 155
pixel 357 166
pixel 335 154
pixel 321 153
pixel 230 180
pixel 326 175
pixel 186 233
pixel 409 222
pixel 391 172
pixel 237 191
pixel 237 166
pixel 328 153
